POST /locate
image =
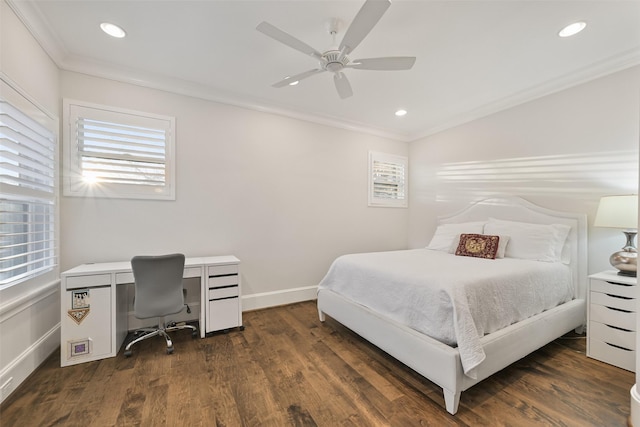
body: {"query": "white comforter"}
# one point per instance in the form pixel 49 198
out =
pixel 454 299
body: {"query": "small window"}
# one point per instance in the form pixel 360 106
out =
pixel 28 197
pixel 387 180
pixel 118 153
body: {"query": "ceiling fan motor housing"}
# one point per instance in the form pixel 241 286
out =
pixel 333 62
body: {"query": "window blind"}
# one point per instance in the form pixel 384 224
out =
pixel 27 198
pixel 117 153
pixel 387 180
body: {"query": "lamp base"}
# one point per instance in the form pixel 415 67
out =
pixel 627 273
pixel 626 262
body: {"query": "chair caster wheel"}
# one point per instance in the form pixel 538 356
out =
pixel 194 334
pixel 242 327
pixel 128 353
pixel 169 350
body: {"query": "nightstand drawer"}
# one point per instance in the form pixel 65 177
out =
pixel 625 359
pixel 613 317
pixel 613 288
pixel 614 301
pixel 607 333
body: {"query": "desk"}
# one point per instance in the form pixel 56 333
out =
pixel 94 306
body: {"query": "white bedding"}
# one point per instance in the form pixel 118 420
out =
pixel 454 299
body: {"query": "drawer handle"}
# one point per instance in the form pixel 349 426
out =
pixel 618 309
pixel 224 287
pixel 619 297
pixel 618 328
pixel 619 284
pixel 617 346
pixel 220 299
pixel 223 275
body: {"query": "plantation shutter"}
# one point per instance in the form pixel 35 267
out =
pixel 111 152
pixel 27 197
pixel 118 153
pixel 387 180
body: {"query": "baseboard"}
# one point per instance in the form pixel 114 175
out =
pixel 249 302
pixel 27 362
pixel 275 298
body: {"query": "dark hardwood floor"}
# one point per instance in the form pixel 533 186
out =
pixel 288 369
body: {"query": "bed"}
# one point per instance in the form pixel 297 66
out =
pixel 473 344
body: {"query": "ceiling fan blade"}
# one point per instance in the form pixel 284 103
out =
pixel 342 85
pixel 363 23
pixel 288 39
pixel 388 63
pixel 297 77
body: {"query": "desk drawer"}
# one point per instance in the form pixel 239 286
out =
pixel 613 301
pixel 89 281
pixel 127 277
pixel 622 338
pixel 224 292
pixel 622 358
pixel 613 288
pixel 223 314
pixel 609 316
pixel 222 270
pixel 215 282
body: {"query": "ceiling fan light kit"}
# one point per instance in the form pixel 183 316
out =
pixel 335 60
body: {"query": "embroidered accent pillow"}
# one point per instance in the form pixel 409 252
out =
pixel 478 245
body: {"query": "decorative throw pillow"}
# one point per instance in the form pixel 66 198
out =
pixel 478 245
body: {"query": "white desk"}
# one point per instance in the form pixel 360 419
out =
pixel 94 307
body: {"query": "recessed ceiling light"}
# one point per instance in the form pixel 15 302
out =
pixel 294 83
pixel 401 113
pixel 113 30
pixel 572 29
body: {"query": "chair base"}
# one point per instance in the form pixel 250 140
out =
pixel 159 331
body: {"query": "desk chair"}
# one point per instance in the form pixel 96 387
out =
pixel 158 293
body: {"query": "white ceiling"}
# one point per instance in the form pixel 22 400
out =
pixel 473 57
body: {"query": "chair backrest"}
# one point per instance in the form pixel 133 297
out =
pixel 158 285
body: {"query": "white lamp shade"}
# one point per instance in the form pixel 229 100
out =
pixel 618 212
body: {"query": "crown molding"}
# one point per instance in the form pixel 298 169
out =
pixel 33 20
pixel 31 17
pixel 613 64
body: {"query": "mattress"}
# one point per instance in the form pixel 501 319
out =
pixel 453 299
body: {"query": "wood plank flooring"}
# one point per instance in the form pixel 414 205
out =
pixel 288 369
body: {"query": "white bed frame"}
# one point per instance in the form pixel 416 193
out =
pixel 439 362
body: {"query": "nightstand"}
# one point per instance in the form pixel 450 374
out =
pixel 611 319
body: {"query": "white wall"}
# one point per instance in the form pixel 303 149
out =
pixel 562 151
pixel 29 313
pixel 283 195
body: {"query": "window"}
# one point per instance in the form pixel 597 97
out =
pixel 27 197
pixel 387 180
pixel 118 153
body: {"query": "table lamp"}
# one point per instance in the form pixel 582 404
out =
pixel 621 212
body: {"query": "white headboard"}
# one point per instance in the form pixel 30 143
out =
pixel 514 208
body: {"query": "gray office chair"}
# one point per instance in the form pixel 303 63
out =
pixel 158 293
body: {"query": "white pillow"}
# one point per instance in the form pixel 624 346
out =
pixel 540 242
pixel 502 245
pixel 448 235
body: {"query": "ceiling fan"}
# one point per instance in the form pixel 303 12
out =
pixel 335 60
